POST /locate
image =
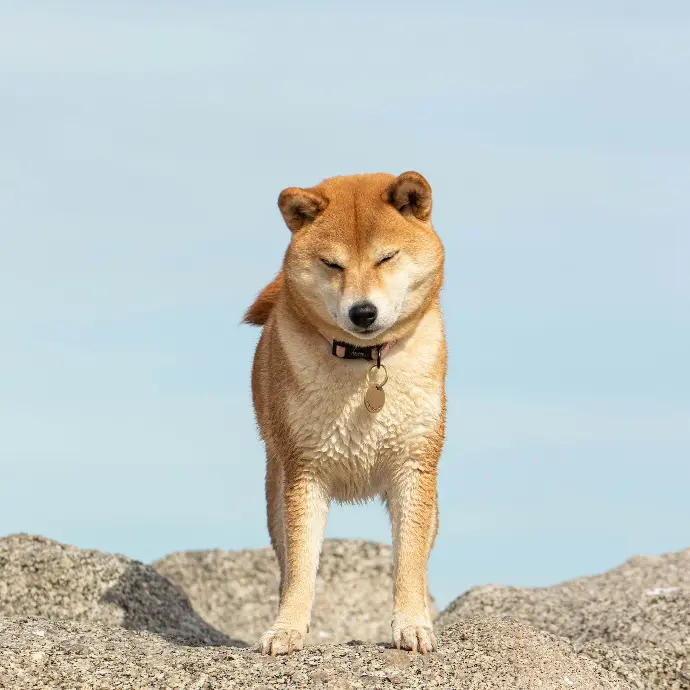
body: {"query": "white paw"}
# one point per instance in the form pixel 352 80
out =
pixel 414 635
pixel 282 640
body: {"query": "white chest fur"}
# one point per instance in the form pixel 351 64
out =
pixel 351 450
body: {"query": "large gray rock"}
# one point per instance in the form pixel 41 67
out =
pixel 237 591
pixel 478 654
pixel 67 612
pixel 40 577
pixel 634 619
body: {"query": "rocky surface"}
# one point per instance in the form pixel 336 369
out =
pixel 73 618
pixel 237 591
pixel 634 619
pixel 474 654
pixel 41 577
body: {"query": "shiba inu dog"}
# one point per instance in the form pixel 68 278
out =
pixel 348 385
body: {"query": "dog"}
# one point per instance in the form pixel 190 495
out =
pixel 348 386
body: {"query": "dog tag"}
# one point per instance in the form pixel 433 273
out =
pixel 375 397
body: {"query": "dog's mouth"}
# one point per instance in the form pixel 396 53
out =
pixel 366 333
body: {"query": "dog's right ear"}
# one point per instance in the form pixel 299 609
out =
pixel 300 206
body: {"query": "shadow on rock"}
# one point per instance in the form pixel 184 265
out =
pixel 151 602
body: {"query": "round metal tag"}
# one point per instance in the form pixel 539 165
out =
pixel 374 399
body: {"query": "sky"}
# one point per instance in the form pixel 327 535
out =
pixel 142 150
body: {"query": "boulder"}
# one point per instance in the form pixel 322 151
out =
pixel 475 654
pixel 40 577
pixel 634 619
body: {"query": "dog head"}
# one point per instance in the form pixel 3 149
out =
pixel 364 262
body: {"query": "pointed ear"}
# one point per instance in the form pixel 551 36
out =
pixel 300 206
pixel 410 195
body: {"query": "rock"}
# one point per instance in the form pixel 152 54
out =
pixel 40 577
pixel 237 591
pixel 72 618
pixel 634 619
pixel 473 654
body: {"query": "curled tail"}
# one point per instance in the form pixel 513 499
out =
pixel 257 314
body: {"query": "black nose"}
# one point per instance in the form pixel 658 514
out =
pixel 363 314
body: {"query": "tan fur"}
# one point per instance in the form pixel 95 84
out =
pixel 257 314
pixel 321 443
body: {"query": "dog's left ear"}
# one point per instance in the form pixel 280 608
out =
pixel 410 194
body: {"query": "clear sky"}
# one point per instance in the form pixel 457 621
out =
pixel 142 149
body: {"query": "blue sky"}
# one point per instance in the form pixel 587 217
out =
pixel 143 149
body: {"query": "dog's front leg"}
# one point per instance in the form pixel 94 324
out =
pixel 304 512
pixel 412 505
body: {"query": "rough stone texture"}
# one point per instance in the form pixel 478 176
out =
pixel 40 577
pixel 237 591
pixel 650 668
pixel 634 619
pixel 117 623
pixel 474 654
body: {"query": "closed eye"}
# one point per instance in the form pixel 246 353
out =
pixel 388 257
pixel 331 264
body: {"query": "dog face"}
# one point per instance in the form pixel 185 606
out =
pixel 364 259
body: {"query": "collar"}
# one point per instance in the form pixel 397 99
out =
pixel 371 352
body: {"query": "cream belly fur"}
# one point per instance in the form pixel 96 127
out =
pixel 364 267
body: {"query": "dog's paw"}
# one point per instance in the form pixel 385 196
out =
pixel 281 640
pixel 414 635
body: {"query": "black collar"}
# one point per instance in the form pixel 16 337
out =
pixel 370 352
